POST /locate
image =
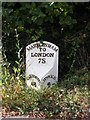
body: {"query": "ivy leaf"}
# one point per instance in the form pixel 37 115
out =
pixel 88 26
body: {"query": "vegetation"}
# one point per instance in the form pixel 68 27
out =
pixel 69 100
pixel 68 26
pixel 65 24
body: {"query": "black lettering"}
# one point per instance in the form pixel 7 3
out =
pixel 38 45
pixel 42 54
pixel 32 46
pixel 49 45
pixel 43 60
pixel 33 76
pixel 40 49
pixel 52 55
pixel 55 49
pixel 35 55
pixel 44 49
pixel 33 84
pixel 49 76
pixel 52 47
pixel 47 54
pixel 39 60
pixel 28 49
pixel 32 55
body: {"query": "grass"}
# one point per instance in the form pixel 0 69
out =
pixel 0 90
pixel 69 100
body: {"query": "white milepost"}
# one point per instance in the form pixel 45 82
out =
pixel 41 64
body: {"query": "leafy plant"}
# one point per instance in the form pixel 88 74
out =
pixel 59 23
pixel 67 100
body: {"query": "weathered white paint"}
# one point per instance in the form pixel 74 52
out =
pixel 41 64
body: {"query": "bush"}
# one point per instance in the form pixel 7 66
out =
pixel 60 23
